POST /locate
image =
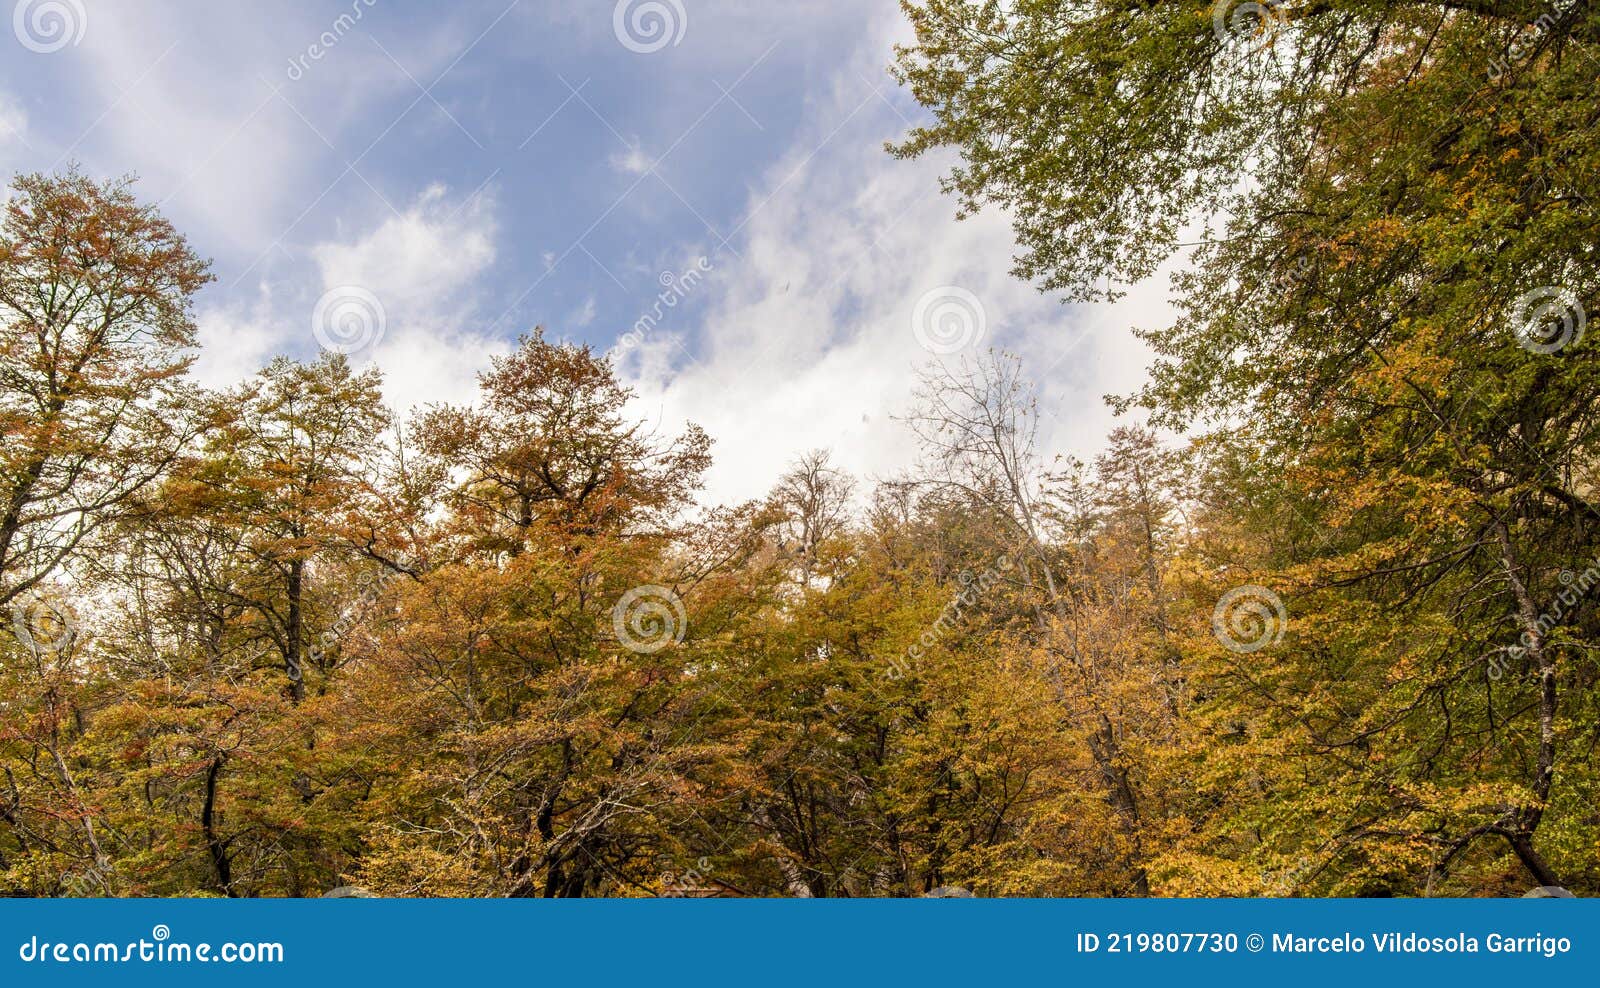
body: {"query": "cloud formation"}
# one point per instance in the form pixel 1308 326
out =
pixel 807 338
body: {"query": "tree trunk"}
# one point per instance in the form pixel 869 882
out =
pixel 1533 639
pixel 292 647
pixel 215 845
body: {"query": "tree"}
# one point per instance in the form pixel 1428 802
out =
pixel 815 500
pixel 1109 129
pixel 548 447
pixel 293 468
pixel 1391 267
pixel 558 738
pixel 95 298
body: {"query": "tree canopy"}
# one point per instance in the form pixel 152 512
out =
pixel 1320 619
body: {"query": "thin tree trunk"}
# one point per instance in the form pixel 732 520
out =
pixel 292 648
pixel 215 845
pixel 1533 640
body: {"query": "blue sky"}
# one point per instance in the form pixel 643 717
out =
pixel 475 169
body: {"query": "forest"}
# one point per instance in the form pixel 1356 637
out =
pixel 1321 619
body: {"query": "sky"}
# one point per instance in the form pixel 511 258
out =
pixel 698 187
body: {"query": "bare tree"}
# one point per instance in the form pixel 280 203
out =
pixel 978 425
pixel 815 499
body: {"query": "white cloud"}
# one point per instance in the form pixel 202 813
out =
pixel 633 161
pixel 419 258
pixel 711 32
pixel 808 339
pixel 13 122
pixel 232 137
pixel 421 265
pixel 236 340
pixel 585 315
pixel 802 339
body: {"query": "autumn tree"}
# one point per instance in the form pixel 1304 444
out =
pixel 548 446
pixel 544 663
pixel 293 467
pixel 96 291
pixel 1389 270
pixel 815 499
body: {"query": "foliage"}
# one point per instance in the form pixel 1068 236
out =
pixel 1339 641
